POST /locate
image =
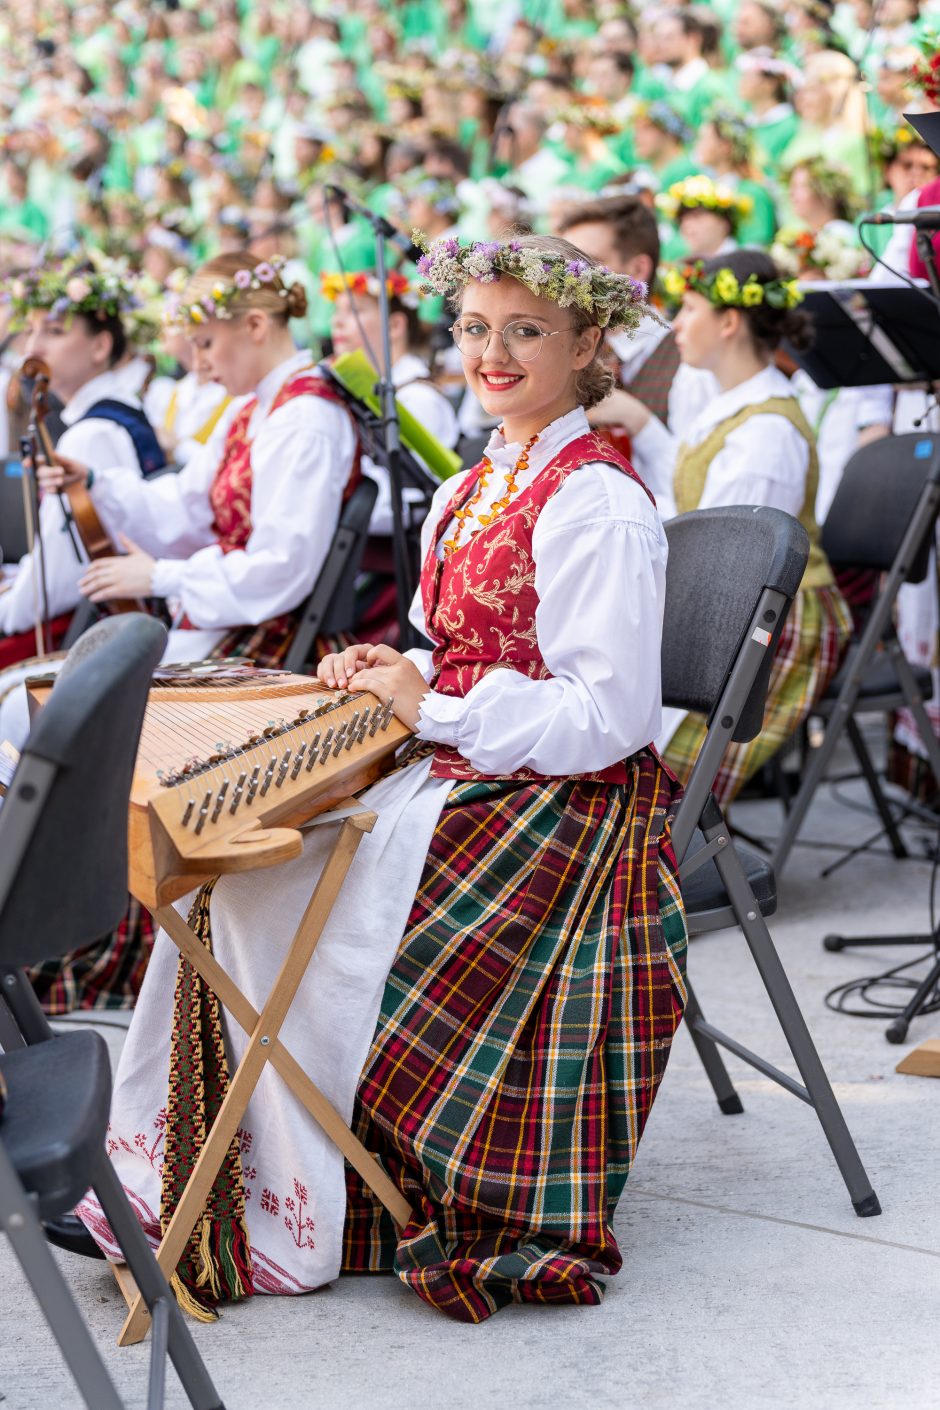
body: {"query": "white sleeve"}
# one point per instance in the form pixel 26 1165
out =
pixel 169 515
pixel 763 461
pixel 62 566
pixel 432 409
pixel 876 406
pixel 301 460
pixel 600 555
pixel 653 454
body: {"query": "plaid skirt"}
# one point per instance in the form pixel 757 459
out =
pixel 523 1033
pixel 105 975
pixel 809 653
pixel 268 643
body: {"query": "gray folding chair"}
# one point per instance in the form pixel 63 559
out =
pixel 331 607
pixel 882 517
pixel 63 883
pixel 732 576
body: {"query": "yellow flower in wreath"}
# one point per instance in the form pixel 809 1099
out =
pixel 752 294
pixel 727 288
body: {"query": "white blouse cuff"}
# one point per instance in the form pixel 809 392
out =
pixel 439 717
pixel 423 659
pixel 166 577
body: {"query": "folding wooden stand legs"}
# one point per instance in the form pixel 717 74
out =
pixel 264 1046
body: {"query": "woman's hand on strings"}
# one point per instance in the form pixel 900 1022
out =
pixel 63 471
pixel 131 575
pixel 383 671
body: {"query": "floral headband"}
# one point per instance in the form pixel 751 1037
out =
pixel 734 130
pixel 701 193
pixel 613 300
pixel 363 282
pixel 661 115
pixel 440 194
pixel 925 74
pixel 218 302
pixel 591 114
pixel 723 288
pixel 834 183
pixel 885 144
pixel 796 251
pixel 96 286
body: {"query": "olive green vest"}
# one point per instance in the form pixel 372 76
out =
pixel 692 470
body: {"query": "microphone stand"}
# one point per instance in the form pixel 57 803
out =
pixel 392 458
pixel 928 258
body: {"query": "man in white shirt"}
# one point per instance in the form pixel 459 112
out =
pixel 621 232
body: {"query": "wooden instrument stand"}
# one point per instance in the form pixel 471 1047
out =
pixel 264 1046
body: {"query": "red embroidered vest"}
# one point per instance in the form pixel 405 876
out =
pixel 230 492
pixel 480 602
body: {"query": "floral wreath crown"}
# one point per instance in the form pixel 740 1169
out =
pixel 363 281
pixel 723 288
pixel 613 300
pixel 925 74
pixel 218 302
pixel 92 285
pixel 832 182
pixel 701 193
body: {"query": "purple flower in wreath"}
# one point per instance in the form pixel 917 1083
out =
pixel 60 308
pixel 265 272
pixel 451 247
pixel 577 266
pixel 208 304
pixel 242 279
pixel 424 265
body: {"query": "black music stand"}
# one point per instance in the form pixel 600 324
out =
pixel 868 334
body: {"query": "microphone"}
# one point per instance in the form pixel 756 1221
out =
pixel 925 218
pixel 378 222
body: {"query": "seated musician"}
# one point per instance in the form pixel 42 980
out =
pixel 498 987
pixel 187 411
pixel 236 540
pixel 356 326
pixel 750 445
pixel 75 322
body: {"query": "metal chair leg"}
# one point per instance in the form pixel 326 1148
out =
pixel 712 1061
pixel 790 1017
pixel 154 1288
pixel 20 1224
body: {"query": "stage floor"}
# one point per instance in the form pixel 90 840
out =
pixel 748 1282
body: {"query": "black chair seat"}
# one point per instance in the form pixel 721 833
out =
pixel 56 1115
pixel 704 891
pixel 879 680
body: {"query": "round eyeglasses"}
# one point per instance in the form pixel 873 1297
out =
pixel 521 339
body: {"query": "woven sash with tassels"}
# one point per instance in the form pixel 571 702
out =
pixel 216 1266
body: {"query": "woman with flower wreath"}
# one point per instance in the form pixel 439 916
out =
pixel 493 1000
pixel 706 217
pixel 76 317
pixel 724 149
pixel 235 541
pixel 750 445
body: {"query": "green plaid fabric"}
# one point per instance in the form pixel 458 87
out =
pixel 105 975
pixel 523 1034
pixel 809 653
